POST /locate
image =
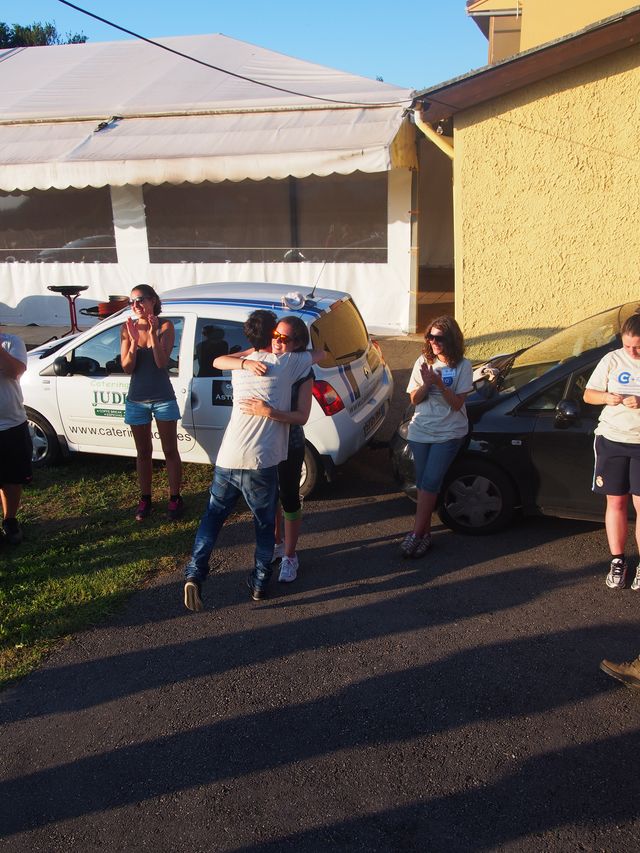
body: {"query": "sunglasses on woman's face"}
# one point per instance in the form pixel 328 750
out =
pixel 437 338
pixel 278 336
pixel 138 300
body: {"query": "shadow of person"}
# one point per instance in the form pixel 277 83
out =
pixel 210 347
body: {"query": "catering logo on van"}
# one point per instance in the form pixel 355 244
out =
pixel 108 400
pixel 221 393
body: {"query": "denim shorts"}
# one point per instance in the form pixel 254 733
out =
pixel 432 462
pixel 138 414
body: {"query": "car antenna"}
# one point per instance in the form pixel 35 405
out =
pixel 310 296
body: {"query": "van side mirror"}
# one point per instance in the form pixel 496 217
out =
pixel 567 413
pixel 61 366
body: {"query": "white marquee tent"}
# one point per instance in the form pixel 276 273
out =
pixel 124 114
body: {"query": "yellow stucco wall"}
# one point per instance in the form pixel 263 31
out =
pixel 547 204
pixel 546 20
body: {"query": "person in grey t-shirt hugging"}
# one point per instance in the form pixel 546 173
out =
pixel 146 342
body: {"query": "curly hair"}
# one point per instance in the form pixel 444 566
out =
pixel 452 345
pixel 300 332
pixel 147 290
pixel 258 328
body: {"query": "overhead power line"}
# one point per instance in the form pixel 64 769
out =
pixel 226 71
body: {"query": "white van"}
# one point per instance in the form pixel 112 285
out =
pixel 75 389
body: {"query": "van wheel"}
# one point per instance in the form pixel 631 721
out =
pixel 310 471
pixel 46 449
pixel 477 498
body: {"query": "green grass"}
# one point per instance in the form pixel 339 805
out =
pixel 83 552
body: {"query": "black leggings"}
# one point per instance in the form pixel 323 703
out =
pixel 289 473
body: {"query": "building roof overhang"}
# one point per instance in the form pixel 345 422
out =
pixel 593 42
pixel 481 11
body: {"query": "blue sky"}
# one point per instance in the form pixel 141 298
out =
pixel 408 43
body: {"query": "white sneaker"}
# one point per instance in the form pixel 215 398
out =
pixel 288 569
pixel 278 551
pixel 617 577
pixel 635 583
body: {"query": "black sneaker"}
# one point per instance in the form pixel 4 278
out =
pixel 192 600
pixel 12 531
pixel 257 593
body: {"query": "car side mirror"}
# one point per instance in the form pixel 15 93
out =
pixel 567 413
pixel 85 366
pixel 61 366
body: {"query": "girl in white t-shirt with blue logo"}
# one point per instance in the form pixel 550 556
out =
pixel 440 380
pixel 615 385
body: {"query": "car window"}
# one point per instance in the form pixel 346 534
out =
pixel 577 389
pixel 341 333
pixel 174 358
pixel 548 399
pixel 214 338
pixel 100 355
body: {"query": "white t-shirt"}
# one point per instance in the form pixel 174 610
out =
pixel 618 373
pixel 434 420
pixel 252 442
pixel 12 412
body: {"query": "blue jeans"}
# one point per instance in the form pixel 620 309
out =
pixel 432 462
pixel 260 490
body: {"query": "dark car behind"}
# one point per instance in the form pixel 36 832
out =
pixel 530 448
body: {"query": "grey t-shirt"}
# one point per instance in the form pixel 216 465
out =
pixel 250 442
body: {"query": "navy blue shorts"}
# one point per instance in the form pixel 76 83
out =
pixel 617 467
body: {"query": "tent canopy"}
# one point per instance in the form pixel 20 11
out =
pixel 131 113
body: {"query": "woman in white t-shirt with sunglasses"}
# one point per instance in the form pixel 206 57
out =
pixel 440 380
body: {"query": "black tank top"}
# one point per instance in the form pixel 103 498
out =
pixel 149 383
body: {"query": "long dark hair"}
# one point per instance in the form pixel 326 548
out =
pixel 147 290
pixel 452 345
pixel 300 332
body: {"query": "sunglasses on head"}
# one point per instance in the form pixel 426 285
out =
pixel 438 338
pixel 138 300
pixel 278 336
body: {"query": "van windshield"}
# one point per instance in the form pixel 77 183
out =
pixel 341 333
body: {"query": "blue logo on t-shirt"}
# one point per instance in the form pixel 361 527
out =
pixel 624 378
pixel 448 374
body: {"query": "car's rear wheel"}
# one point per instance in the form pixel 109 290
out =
pixel 311 471
pixel 46 449
pixel 477 498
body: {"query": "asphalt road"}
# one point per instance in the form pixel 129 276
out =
pixel 449 704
